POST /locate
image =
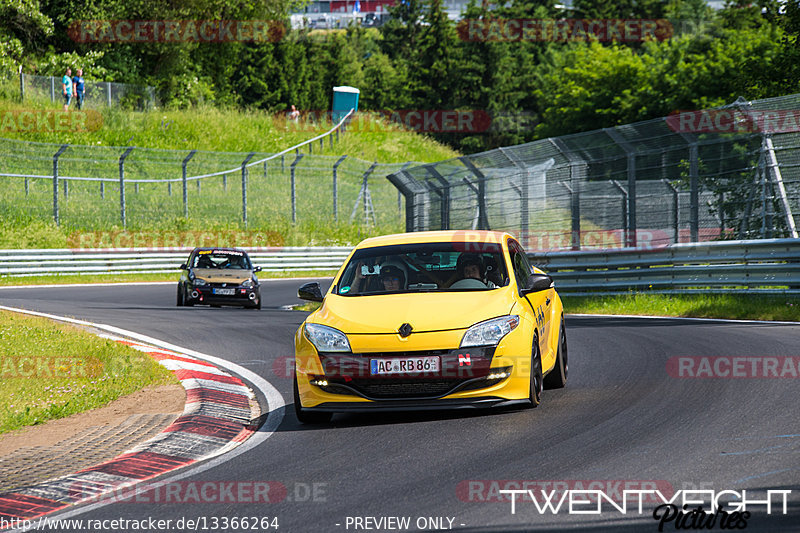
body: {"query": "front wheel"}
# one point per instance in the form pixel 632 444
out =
pixel 180 300
pixel 304 416
pixel 557 377
pixel 535 387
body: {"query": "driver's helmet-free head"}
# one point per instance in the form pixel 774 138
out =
pixel 393 272
pixel 466 259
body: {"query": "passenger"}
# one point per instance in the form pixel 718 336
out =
pixel 393 278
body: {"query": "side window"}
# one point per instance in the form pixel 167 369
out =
pixel 522 268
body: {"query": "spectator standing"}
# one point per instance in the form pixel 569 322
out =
pixel 78 87
pixel 66 88
pixel 294 114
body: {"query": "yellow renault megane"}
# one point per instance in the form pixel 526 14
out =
pixel 430 320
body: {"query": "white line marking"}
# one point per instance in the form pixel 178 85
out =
pixel 274 402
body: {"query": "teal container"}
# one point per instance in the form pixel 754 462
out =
pixel 344 99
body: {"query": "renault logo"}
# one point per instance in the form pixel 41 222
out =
pixel 405 330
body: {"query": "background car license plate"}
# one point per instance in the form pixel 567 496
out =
pixel 404 365
pixel 225 292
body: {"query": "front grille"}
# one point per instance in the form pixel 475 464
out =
pixel 406 388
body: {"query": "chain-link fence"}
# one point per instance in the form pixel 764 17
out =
pixel 98 93
pixel 94 188
pixel 729 172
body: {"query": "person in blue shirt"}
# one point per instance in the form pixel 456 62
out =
pixel 66 88
pixel 78 88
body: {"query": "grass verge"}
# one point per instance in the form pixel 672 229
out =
pixel 734 306
pixel 50 370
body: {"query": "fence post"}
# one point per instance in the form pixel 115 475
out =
pixel 675 206
pixel 244 187
pixel 294 195
pixel 52 89
pixel 694 196
pixel 26 186
pixel 66 190
pixel 336 188
pixel 185 186
pixel 21 85
pixel 624 208
pixel 122 203
pixel 631 154
pixel 108 83
pixel 55 182
pixel 445 195
pixel 483 220
pixel 224 183
pixel 102 190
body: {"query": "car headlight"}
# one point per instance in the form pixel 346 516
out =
pixel 199 282
pixel 247 283
pixel 326 339
pixel 490 332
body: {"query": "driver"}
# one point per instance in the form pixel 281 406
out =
pixel 470 266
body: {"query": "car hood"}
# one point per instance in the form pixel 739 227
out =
pixel 424 311
pixel 215 275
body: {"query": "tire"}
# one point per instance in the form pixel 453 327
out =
pixel 304 416
pixel 535 382
pixel 180 299
pixel 557 377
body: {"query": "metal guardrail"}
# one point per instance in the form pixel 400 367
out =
pixel 20 263
pixel 769 266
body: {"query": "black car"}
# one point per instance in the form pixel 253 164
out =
pixel 219 276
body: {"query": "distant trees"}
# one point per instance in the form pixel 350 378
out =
pixel 535 86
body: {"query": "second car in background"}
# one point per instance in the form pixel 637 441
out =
pixel 219 276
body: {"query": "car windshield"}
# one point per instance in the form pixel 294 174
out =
pixel 428 267
pixel 228 259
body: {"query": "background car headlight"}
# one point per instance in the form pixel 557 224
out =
pixel 327 339
pixel 490 332
pixel 198 282
pixel 247 283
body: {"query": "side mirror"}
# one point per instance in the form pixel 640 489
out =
pixel 257 269
pixel 183 266
pixel 536 283
pixel 310 292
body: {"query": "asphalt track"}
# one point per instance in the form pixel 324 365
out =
pixel 622 417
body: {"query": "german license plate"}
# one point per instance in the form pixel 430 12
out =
pixel 404 365
pixel 225 292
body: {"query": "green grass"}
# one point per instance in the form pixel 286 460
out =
pixel 230 130
pixel 735 306
pixel 50 370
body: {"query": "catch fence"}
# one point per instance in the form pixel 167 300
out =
pixel 95 187
pixel 725 173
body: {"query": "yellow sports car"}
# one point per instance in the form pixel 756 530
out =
pixel 430 320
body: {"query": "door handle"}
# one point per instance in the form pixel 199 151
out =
pixel 547 301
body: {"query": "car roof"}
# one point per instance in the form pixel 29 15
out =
pixel 220 248
pixel 436 236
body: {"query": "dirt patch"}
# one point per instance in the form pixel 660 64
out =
pixel 161 400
